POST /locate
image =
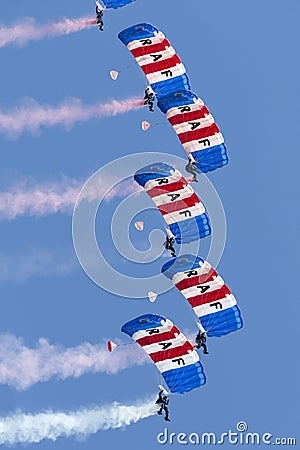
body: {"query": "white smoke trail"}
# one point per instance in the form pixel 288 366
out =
pixel 39 199
pixel 21 366
pixel 25 30
pixel 27 198
pixel 31 116
pixel 29 428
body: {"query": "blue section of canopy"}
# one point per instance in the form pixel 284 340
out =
pixel 211 158
pixel 184 379
pixel 173 100
pixel 137 32
pixel 163 88
pixel 222 322
pixel 114 4
pixel 189 230
pixel 152 172
pixel 181 264
pixel 144 322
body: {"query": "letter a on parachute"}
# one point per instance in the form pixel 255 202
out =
pixel 181 208
pixel 173 355
pixel 186 112
pixel 212 301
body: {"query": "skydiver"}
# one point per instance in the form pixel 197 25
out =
pixel 163 402
pixel 99 13
pixel 149 98
pixel 168 244
pixel 201 342
pixel 191 168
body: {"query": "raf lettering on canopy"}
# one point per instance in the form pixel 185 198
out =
pixel 162 181
pixel 146 41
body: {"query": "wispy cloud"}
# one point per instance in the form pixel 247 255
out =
pixel 22 367
pixel 30 428
pixel 32 116
pixel 25 30
pixel 30 262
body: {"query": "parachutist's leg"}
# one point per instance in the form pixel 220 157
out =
pixel 160 410
pixel 205 349
pixel 167 414
pixel 173 254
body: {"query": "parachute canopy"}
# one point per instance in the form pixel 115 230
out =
pixel 212 301
pixel 176 200
pixel 157 58
pixel 173 355
pixel 196 129
pixel 114 4
pixel 186 112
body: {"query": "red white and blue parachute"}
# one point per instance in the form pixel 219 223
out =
pixel 212 301
pixel 181 208
pixel 173 355
pixel 186 112
pixel 114 4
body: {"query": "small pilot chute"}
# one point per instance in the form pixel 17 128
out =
pixel 181 208
pixel 114 74
pixel 111 346
pixel 145 125
pixel 152 296
pixel 211 299
pixel 173 355
pixel 139 225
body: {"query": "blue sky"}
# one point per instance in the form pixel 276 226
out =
pixel 241 59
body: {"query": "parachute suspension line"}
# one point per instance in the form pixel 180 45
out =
pixel 115 73
pixel 146 125
pixel 111 345
pixel 200 326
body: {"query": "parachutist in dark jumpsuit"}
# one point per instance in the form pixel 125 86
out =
pixel 168 244
pixel 99 13
pixel 149 99
pixel 191 168
pixel 201 342
pixel 163 402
